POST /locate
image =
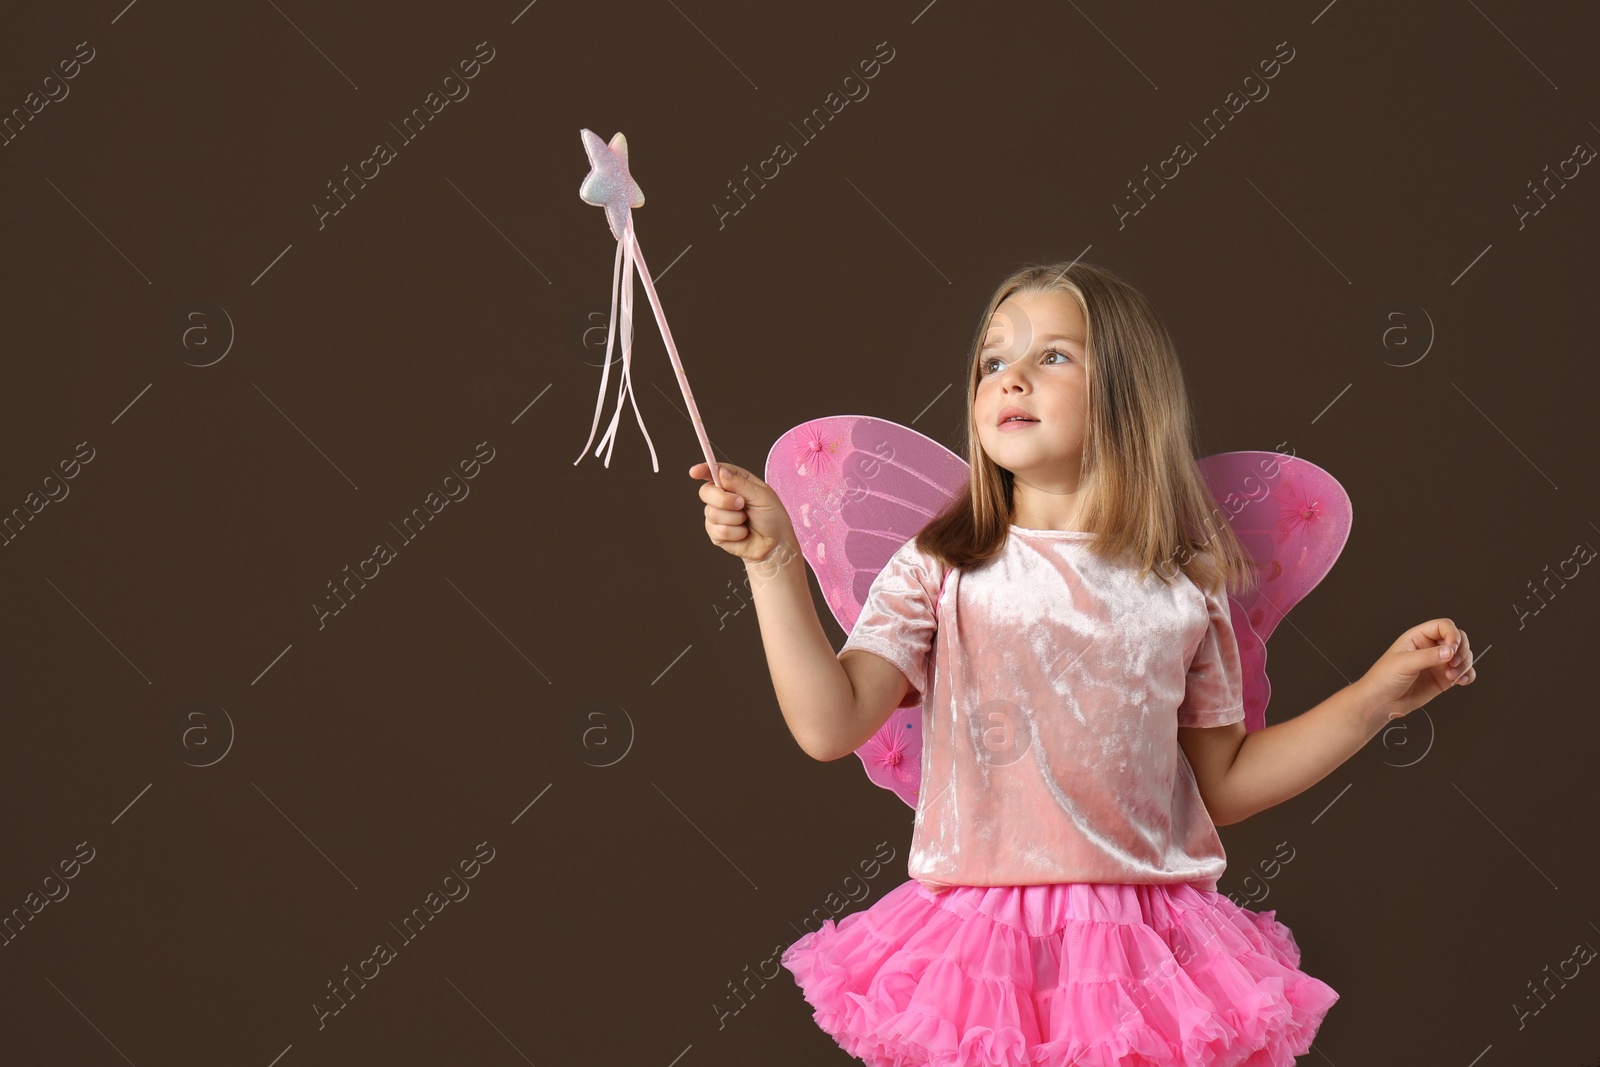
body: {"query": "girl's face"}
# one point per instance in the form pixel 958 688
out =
pixel 1034 359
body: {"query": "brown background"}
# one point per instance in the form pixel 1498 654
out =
pixel 560 666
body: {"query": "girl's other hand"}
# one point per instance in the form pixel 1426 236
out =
pixel 1424 662
pixel 746 518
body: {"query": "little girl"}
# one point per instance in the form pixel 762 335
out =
pixel 1068 638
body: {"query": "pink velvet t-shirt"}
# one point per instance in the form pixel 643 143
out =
pixel 1052 687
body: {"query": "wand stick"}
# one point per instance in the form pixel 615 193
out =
pixel 672 350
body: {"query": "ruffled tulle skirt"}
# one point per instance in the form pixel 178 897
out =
pixel 1074 973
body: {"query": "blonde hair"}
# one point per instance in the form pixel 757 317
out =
pixel 1147 501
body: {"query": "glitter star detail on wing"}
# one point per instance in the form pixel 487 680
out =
pixel 608 184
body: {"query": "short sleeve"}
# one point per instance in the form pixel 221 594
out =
pixel 898 620
pixel 1214 686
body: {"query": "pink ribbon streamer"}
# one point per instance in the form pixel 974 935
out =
pixel 628 255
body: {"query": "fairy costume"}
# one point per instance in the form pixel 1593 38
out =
pixel 1062 904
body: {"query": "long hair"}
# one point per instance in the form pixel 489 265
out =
pixel 1147 501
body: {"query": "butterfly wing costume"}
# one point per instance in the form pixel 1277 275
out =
pixel 1097 972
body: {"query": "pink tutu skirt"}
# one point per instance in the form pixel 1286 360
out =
pixel 1075 973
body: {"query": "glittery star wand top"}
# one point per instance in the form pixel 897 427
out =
pixel 609 185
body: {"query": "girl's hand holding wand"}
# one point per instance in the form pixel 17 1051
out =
pixel 1424 662
pixel 745 516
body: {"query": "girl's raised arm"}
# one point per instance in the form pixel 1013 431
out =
pixel 814 693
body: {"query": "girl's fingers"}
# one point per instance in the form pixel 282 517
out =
pixel 1435 633
pixel 727 475
pixel 1444 632
pixel 721 497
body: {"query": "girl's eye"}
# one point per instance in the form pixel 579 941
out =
pixel 1047 352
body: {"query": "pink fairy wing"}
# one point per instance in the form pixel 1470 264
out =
pixel 1293 519
pixel 857 488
